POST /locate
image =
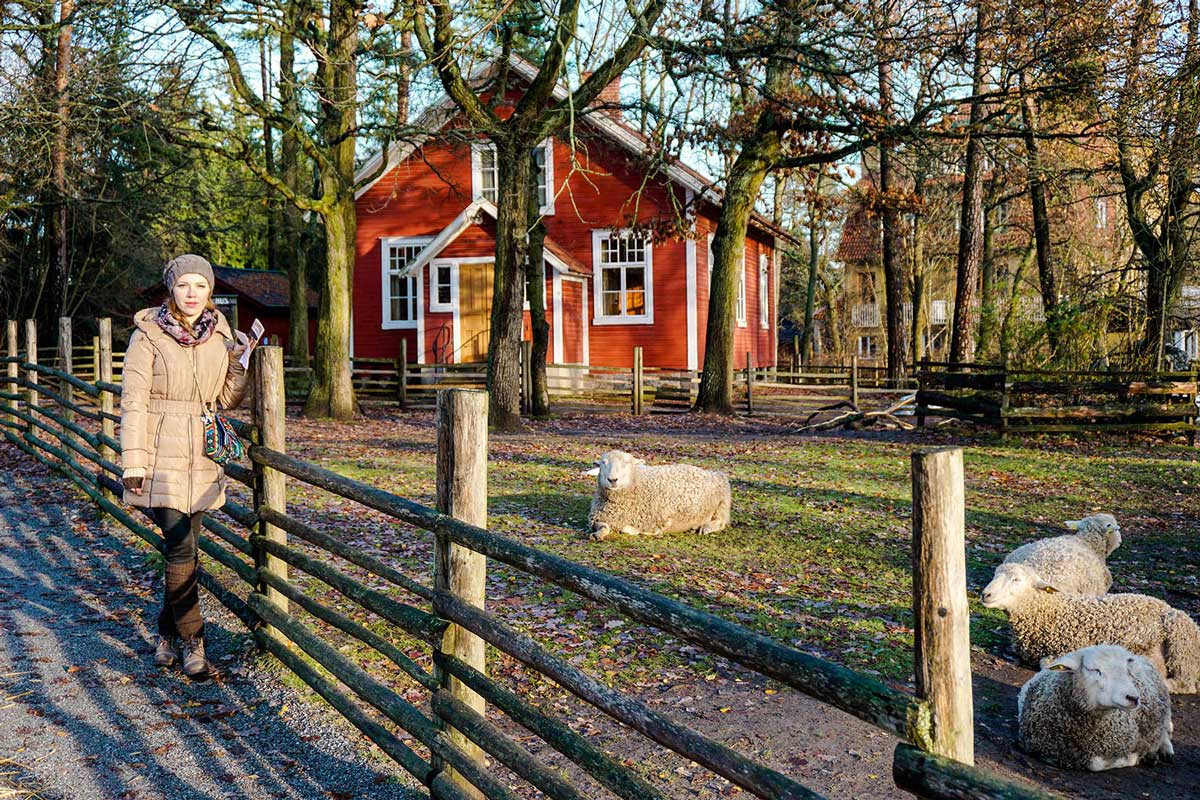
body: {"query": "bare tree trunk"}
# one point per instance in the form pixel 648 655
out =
pixel 814 257
pixel 729 252
pixel 59 249
pixel 1041 218
pixel 504 377
pixel 264 63
pixel 920 319
pixel 970 238
pixel 893 268
pixel 540 328
pixel 333 392
pixel 296 254
pixel 403 78
pixel 989 288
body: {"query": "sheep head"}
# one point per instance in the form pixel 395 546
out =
pixel 1010 583
pixel 1105 524
pixel 1102 674
pixel 614 470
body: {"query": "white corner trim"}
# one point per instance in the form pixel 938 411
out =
pixel 420 320
pixel 598 317
pixel 764 299
pixel 693 347
pixel 741 313
pixel 557 294
pixel 583 321
pixel 548 148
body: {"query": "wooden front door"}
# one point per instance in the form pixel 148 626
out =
pixel 475 311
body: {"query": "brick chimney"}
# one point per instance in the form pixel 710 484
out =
pixel 609 99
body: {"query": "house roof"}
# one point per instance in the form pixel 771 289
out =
pixel 861 237
pixel 267 287
pixel 441 112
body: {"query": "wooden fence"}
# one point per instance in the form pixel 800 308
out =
pixel 638 389
pixel 44 413
pixel 1042 401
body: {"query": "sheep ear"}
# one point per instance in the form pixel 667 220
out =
pixel 1073 524
pixel 1041 585
pixel 594 471
pixel 1064 663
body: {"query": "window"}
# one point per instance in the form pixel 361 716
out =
pixel 624 290
pixel 741 297
pixel 1101 212
pixel 485 174
pixel 867 347
pixel 764 305
pixel 227 305
pixel 400 291
pixel 441 287
pixel 711 260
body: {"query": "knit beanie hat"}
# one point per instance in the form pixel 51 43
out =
pixel 184 265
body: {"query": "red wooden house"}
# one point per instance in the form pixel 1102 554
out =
pixel 425 246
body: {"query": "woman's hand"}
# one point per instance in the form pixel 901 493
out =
pixel 235 351
pixel 133 484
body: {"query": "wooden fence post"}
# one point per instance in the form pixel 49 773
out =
pixel 462 418
pixel 922 377
pixel 95 358
pixel 103 359
pixel 854 381
pixel 402 375
pixel 14 351
pixel 942 647
pixel 31 356
pixel 637 389
pixel 749 385
pixel 270 485
pixel 66 362
pixel 796 355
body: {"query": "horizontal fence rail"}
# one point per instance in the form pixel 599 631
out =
pixel 267 580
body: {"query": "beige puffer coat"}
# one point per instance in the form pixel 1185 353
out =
pixel 162 434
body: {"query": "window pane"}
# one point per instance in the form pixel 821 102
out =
pixel 635 302
pixel 539 158
pixel 635 278
pixel 611 280
pixel 612 304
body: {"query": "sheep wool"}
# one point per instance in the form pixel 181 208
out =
pixel 1074 562
pixel 1047 623
pixel 1097 708
pixel 632 498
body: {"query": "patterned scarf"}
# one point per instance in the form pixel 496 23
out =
pixel 201 330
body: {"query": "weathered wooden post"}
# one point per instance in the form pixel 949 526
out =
pixel 66 360
pixel 104 373
pixel 11 331
pixel 270 485
pixel 638 388
pixel 749 385
pixel 462 493
pixel 402 375
pixel 31 357
pixel 95 358
pixel 854 381
pixel 942 647
pixel 796 356
pixel 922 379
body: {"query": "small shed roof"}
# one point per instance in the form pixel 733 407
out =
pixel 267 287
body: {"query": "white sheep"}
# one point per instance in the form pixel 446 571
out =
pixel 1074 562
pixel 633 498
pixel 1047 623
pixel 1098 708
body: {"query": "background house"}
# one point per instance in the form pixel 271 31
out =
pixel 426 228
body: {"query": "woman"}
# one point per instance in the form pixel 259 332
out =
pixel 181 358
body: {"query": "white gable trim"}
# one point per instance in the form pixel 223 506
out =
pixel 693 346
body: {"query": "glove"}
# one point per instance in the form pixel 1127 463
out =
pixel 133 484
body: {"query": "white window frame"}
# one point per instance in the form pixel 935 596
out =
pixel 1101 213
pixel 386 245
pixel 477 150
pixel 434 268
pixel 764 303
pixel 741 293
pixel 598 315
pixel 872 350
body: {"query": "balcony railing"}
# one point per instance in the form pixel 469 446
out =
pixel 864 315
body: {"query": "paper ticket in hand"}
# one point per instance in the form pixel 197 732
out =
pixel 251 341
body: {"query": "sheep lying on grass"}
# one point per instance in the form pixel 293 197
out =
pixel 1074 562
pixel 1047 623
pixel 1098 708
pixel 636 499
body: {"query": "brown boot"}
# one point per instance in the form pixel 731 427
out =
pixel 195 665
pixel 168 651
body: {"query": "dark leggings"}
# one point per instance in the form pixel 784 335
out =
pixel 180 614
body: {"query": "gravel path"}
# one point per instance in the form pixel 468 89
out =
pixel 84 713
